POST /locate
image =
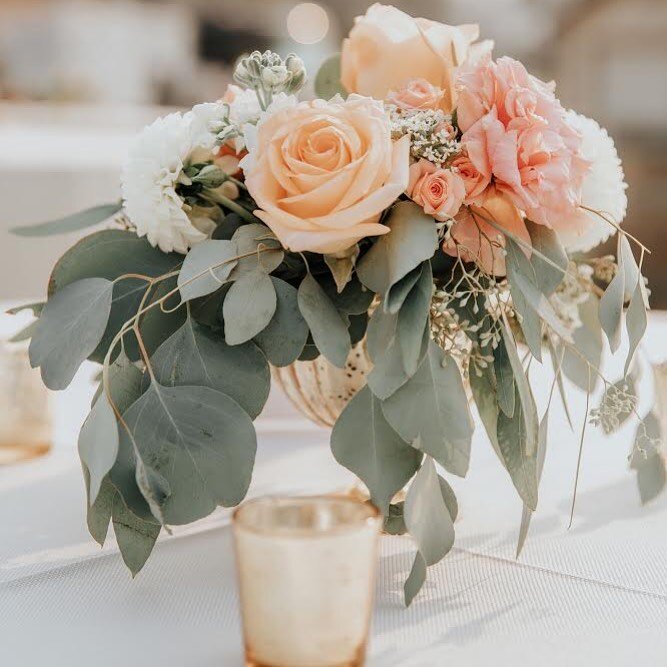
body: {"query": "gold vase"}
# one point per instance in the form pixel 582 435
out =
pixel 320 390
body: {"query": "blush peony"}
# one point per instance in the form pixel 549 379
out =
pixel 321 172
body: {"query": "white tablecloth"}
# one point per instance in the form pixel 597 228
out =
pixel 595 594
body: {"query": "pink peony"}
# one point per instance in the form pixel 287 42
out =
pixel 515 128
pixel 440 192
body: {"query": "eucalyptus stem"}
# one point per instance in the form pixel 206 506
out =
pixel 218 198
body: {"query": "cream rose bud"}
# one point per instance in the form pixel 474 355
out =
pixel 387 47
pixel 416 94
pixel 321 172
pixel 440 192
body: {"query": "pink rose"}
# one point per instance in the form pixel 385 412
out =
pixel 474 180
pixel 323 172
pixel 476 240
pixel 416 94
pixel 387 47
pixel 440 192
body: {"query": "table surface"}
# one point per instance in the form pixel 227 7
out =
pixel 594 594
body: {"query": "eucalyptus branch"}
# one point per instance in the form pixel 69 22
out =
pixel 581 449
pixel 616 226
pixel 219 198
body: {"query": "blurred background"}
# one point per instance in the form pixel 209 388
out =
pixel 79 77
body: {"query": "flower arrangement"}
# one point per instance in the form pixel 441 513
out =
pixel 433 202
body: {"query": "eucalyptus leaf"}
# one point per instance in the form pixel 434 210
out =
pixel 412 240
pixel 69 329
pixel 557 364
pixel 70 223
pixel 98 444
pixel 354 299
pixel 527 513
pixel 431 411
pixel 125 383
pixel 195 356
pixel 200 442
pixel 627 265
pixel 262 247
pixel 549 274
pixel 206 267
pixel 283 340
pixel 249 306
pixel 484 391
pixel 110 254
pixel 24 334
pixel 504 378
pixel 429 523
pixel 398 293
pixel 649 465
pixel 588 343
pixel 611 310
pixel 328 328
pixel 98 514
pixel 365 443
pixel 327 80
pixel 36 308
pixel 342 265
pixel 135 537
pixel 636 321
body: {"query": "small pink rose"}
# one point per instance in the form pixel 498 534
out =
pixel 416 94
pixel 440 192
pixel 474 180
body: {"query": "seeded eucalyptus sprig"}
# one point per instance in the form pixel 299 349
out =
pixel 268 74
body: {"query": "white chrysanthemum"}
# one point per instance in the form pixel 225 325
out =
pixel 202 119
pixel 603 189
pixel 149 178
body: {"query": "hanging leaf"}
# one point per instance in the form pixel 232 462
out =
pixel 36 308
pixel 365 443
pixel 636 321
pixel 412 240
pixel 283 340
pixel 355 299
pixel 327 80
pixel 398 293
pixel 249 306
pixel 557 364
pixel 110 254
pixel 136 537
pixel 98 444
pixel 98 514
pixel 125 381
pixel 431 411
pixel 70 223
pixel 611 310
pixel 545 241
pixel 430 525
pixel 328 328
pixel 647 459
pixel 527 513
pixel 215 259
pixel 69 329
pixel 504 379
pixel 197 442
pixel 587 342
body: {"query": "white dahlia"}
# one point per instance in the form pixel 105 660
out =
pixel 603 188
pixel 148 182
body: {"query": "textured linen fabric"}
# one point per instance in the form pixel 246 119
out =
pixel 595 594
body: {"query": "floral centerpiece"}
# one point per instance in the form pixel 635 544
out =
pixel 432 202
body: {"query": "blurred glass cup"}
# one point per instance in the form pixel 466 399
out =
pixel 306 570
pixel 25 412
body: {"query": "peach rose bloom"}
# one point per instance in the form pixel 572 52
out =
pixel 440 192
pixel 323 172
pixel 416 94
pixel 476 240
pixel 474 180
pixel 387 47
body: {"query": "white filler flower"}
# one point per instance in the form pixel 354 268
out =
pixel 603 189
pixel 149 178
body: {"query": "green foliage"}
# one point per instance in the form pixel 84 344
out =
pixel 196 356
pixel 249 306
pixel 431 412
pixel 363 441
pixel 587 347
pixel 429 523
pixel 206 267
pixel 327 326
pixel 71 223
pixel 412 240
pixel 257 248
pixel 549 259
pixel 327 80
pixel 647 459
pixel 284 338
pixel 69 329
pixel 611 310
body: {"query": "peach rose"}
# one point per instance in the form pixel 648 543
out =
pixel 323 172
pixel 476 240
pixel 416 94
pixel 440 192
pixel 387 47
pixel 475 180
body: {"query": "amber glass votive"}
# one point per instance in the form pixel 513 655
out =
pixel 306 571
pixel 25 414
